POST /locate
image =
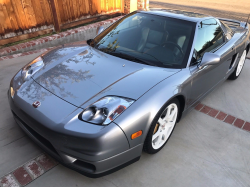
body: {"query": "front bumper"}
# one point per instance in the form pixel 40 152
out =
pixel 80 152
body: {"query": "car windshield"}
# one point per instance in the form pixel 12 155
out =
pixel 148 39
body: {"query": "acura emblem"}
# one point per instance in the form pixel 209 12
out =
pixel 36 104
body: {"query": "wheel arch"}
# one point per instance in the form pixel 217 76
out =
pixel 248 47
pixel 182 101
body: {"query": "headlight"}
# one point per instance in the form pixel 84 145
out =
pixel 24 74
pixel 32 68
pixel 105 110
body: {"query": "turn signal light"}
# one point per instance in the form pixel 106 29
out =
pixel 136 135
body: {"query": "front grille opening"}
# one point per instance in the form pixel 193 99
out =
pixel 84 165
pixel 41 139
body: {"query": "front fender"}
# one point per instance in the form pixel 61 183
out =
pixel 141 113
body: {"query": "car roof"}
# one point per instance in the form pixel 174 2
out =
pixel 178 14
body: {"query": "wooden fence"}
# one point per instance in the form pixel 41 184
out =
pixel 20 17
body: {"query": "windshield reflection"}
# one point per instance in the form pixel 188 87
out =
pixel 160 41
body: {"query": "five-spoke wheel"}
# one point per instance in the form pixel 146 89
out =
pixel 239 67
pixel 162 127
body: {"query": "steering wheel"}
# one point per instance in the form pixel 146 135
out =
pixel 169 44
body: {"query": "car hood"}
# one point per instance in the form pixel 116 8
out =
pixel 81 75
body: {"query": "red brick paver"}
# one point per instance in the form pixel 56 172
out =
pixel 213 112
pixel 34 169
pixel 199 106
pixel 22 176
pixel 205 109
pixel 9 181
pixel 221 116
pixel 247 126
pixel 46 162
pixel 229 119
pixel 239 123
pixel 28 172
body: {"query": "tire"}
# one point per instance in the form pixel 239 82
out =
pixel 239 67
pixel 162 127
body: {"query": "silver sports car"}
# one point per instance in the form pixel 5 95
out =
pixel 96 106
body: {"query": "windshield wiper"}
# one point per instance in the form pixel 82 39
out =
pixel 131 58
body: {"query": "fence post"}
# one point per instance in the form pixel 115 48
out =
pixel 130 6
pixel 143 4
pixel 56 15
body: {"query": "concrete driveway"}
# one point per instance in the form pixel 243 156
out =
pixel 202 151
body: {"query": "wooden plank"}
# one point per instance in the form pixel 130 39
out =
pixel 96 6
pixel 56 15
pixel 21 19
pixel 61 11
pixel 90 7
pixel 11 14
pixel 4 16
pixel 67 8
pixel 40 20
pixel 120 3
pixel 25 36
pixel 110 5
pixel 2 20
pixel 107 5
pixel 75 8
pixel 71 9
pixel 47 12
pixel 88 20
pixel 87 7
pixel 29 12
pixel 99 8
pixel 1 30
pixel 81 7
pixel 102 5
pixel 66 11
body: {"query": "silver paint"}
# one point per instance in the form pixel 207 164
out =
pixel 74 77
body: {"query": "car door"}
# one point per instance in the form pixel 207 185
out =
pixel 209 38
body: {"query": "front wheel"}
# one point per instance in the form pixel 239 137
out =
pixel 162 127
pixel 239 67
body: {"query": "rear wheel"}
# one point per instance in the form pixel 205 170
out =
pixel 162 127
pixel 239 67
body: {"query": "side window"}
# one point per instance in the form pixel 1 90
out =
pixel 209 37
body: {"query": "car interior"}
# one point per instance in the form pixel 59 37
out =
pixel 162 38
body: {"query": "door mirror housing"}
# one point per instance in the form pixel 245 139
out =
pixel 99 30
pixel 209 59
pixel 90 42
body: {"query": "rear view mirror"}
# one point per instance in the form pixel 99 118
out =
pixel 209 59
pixel 99 30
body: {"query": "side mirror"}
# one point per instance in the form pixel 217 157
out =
pixel 90 41
pixel 99 30
pixel 209 59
